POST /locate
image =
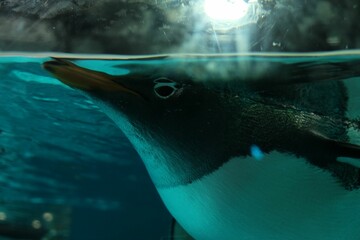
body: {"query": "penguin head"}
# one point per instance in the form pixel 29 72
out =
pixel 161 99
pixel 182 122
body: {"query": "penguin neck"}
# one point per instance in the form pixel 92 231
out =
pixel 195 151
pixel 177 155
pixel 159 161
pixel 200 144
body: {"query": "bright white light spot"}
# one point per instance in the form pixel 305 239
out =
pixel 48 216
pixel 2 216
pixel 36 224
pixel 225 10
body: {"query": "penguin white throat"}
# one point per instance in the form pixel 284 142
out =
pixel 280 197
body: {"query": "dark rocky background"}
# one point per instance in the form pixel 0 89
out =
pixel 154 26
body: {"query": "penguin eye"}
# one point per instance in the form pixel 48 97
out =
pixel 163 80
pixel 165 88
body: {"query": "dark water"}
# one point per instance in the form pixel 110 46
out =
pixel 67 169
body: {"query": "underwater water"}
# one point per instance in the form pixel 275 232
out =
pixel 60 155
pixel 66 167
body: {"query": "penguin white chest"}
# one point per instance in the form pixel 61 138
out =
pixel 279 197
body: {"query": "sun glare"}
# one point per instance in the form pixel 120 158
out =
pixel 225 10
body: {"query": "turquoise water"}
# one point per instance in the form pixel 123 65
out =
pixel 59 154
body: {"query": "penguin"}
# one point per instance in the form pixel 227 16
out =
pixel 259 155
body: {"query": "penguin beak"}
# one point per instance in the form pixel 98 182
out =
pixel 84 79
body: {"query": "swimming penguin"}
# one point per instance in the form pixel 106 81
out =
pixel 261 156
